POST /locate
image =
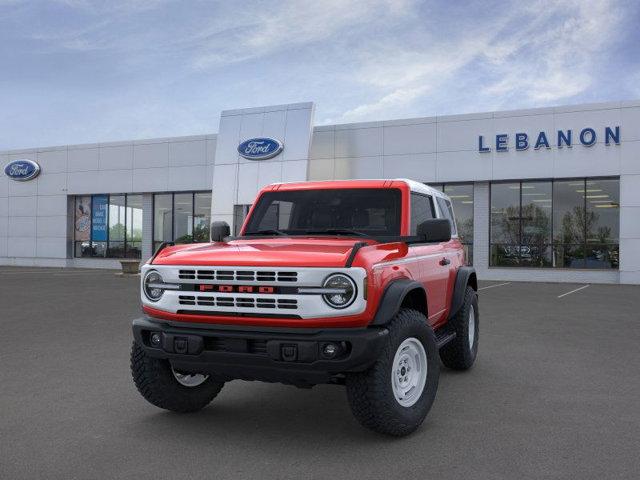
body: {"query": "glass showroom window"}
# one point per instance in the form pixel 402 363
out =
pixel 134 226
pixel 201 217
pixel 461 195
pixel 181 217
pixel 108 226
pixel 505 224
pixel 117 219
pixel 565 224
pixel 162 219
pixel 240 213
pixel 586 223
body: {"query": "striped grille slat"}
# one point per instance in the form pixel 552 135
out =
pixel 238 302
pixel 187 300
pixel 226 275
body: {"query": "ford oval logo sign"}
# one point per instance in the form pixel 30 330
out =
pixel 260 148
pixel 22 170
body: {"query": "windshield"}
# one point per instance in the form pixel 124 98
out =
pixel 354 212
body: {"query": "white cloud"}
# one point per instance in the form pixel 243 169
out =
pixel 554 63
pixel 404 77
pixel 543 52
pixel 258 32
pixel 397 98
pixel 163 67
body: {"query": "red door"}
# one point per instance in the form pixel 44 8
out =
pixel 434 261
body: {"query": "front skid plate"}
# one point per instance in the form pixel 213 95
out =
pixel 277 355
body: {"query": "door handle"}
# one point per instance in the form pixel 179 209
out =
pixel 445 261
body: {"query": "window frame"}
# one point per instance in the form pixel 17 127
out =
pixel 259 208
pixel 466 242
pixel 553 245
pixel 448 213
pixel 431 202
pixel 173 215
pixel 91 241
pixel 127 225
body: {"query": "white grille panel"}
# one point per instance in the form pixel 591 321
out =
pixel 226 301
pixel 302 305
pixel 228 275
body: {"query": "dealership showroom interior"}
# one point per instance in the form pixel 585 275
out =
pixel 319 239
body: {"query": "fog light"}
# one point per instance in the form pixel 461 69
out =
pixel 330 350
pixel 155 339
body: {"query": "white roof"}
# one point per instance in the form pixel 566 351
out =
pixel 414 186
pixel 420 187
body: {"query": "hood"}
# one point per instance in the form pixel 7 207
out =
pixel 274 252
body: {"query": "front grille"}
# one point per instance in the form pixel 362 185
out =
pixel 230 275
pixel 238 302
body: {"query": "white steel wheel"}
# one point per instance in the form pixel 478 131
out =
pixel 409 372
pixel 189 379
pixel 472 327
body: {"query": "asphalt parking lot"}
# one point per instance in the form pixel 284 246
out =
pixel 554 394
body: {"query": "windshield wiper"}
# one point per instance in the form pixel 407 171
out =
pixel 337 231
pixel 267 232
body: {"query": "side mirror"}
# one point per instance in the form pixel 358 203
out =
pixel 219 231
pixel 435 230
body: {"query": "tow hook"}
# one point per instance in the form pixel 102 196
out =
pixel 289 353
pixel 180 344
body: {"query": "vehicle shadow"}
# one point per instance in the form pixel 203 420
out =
pixel 263 412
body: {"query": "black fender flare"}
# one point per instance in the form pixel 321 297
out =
pixel 392 299
pixel 465 276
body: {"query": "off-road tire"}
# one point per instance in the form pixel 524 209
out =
pixel 458 354
pixel 156 383
pixel 370 393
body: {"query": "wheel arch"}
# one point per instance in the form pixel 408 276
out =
pixel 400 293
pixel 466 276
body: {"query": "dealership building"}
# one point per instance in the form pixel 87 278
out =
pixel 547 194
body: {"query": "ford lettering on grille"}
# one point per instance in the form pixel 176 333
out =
pixel 236 288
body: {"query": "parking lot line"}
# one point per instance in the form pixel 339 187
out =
pixel 494 285
pixel 573 291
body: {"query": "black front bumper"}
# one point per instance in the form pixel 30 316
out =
pixel 294 356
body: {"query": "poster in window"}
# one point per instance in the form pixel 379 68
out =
pixel 83 218
pixel 99 218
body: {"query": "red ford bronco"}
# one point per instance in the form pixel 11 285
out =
pixel 360 283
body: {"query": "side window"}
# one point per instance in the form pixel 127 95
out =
pixel 421 210
pixel 447 211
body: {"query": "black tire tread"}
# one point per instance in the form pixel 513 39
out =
pixel 155 382
pixel 455 354
pixel 368 392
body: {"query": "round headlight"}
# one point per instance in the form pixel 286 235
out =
pixel 343 291
pixel 150 286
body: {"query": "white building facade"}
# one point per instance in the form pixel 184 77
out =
pixel 549 194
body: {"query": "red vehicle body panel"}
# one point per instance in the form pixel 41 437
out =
pixel 384 262
pixel 267 252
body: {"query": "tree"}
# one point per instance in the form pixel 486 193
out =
pixel 116 232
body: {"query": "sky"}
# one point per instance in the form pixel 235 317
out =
pixel 80 71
